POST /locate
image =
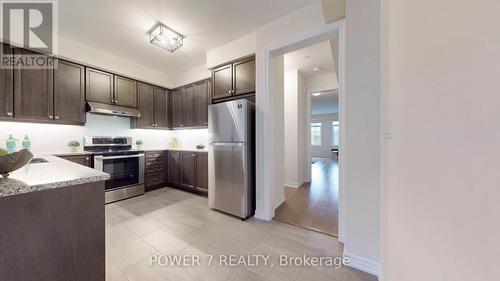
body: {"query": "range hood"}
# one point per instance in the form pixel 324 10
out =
pixel 107 109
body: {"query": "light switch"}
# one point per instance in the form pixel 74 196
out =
pixel 388 130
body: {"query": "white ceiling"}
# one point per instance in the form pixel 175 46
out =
pixel 306 59
pixel 120 27
pixel 326 103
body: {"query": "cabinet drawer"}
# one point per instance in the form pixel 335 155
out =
pixel 154 155
pixel 154 179
pixel 154 162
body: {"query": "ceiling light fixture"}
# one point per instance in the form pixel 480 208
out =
pixel 165 37
pixel 316 94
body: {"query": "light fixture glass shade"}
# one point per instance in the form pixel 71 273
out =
pixel 165 37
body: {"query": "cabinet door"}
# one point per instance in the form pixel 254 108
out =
pixel 125 92
pixel 201 177
pixel 146 105
pixel 173 167
pixel 244 77
pixel 85 160
pixel 188 107
pixel 160 108
pixel 201 104
pixel 187 169
pixel 33 93
pixel 6 88
pixel 177 97
pixel 69 93
pixel 222 79
pixel 99 86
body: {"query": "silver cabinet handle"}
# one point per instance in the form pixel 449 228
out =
pixel 57 117
pixel 9 114
pixel 229 92
pixel 51 117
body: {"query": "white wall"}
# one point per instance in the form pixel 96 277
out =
pixel 239 48
pixel 295 123
pixel 363 134
pixel 47 138
pixel 85 54
pixel 325 149
pixel 322 82
pixel 191 75
pixel 441 180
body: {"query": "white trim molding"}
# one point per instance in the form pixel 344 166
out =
pixel 362 264
pixel 293 184
pixel 278 202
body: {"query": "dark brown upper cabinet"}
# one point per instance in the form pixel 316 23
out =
pixel 6 88
pixel 201 97
pixel 145 93
pixel 222 79
pixel 125 92
pixel 244 77
pixel 161 108
pixel 201 172
pixel 233 79
pixel 188 106
pixel 99 86
pixel 153 105
pixel 33 92
pixel 69 93
pixel 177 108
pixel 187 168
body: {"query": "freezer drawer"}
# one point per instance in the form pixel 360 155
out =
pixel 230 179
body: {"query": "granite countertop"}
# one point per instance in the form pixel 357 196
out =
pixel 56 173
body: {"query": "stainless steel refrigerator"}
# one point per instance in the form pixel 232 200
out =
pixel 231 154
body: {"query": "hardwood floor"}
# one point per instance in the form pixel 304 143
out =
pixel 314 205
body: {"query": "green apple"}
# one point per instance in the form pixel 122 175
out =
pixel 3 151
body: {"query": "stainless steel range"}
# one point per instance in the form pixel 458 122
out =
pixel 115 156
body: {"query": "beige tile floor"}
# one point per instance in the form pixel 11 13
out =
pixel 173 222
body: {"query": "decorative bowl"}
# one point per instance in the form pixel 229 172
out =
pixel 14 161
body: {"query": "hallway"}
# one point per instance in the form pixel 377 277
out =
pixel 314 205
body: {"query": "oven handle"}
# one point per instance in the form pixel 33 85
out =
pixel 117 157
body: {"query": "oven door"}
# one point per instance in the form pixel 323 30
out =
pixel 125 170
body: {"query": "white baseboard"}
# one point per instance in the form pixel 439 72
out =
pixel 279 201
pixel 262 215
pixel 292 184
pixel 363 264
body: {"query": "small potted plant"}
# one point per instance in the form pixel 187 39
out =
pixel 139 144
pixel 74 145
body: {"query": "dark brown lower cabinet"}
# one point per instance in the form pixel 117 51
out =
pixel 173 167
pixel 59 234
pixel 155 167
pixel 201 173
pixel 85 160
pixel 188 170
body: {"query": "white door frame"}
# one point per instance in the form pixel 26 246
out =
pixel 326 32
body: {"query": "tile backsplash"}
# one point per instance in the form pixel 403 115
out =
pixel 53 138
